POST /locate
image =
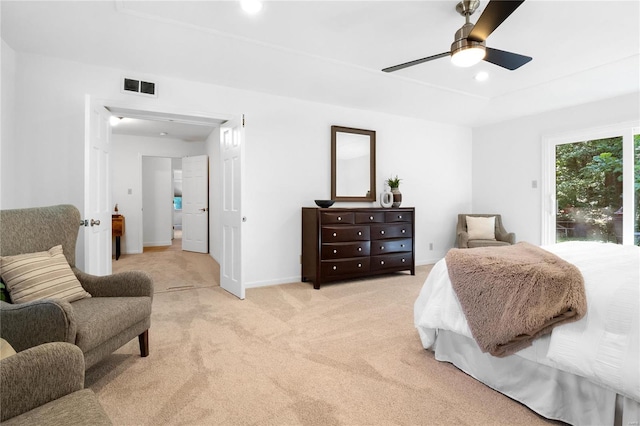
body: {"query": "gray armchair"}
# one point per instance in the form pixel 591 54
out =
pixel 118 311
pixel 44 385
pixel 503 238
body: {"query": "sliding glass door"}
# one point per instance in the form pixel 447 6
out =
pixel 589 184
pixel 592 186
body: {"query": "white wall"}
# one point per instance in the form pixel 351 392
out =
pixel 7 119
pixel 507 157
pixel 126 161
pixel 157 197
pixel 287 162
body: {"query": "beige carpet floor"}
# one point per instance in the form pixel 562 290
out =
pixel 172 268
pixel 346 354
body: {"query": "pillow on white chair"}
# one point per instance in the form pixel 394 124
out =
pixel 481 228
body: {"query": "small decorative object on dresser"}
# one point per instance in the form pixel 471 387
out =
pixel 386 197
pixel 345 243
pixel 324 203
pixel 394 184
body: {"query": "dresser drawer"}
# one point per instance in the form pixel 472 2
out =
pixel 337 218
pixel 336 234
pixel 391 261
pixel 400 230
pixel 402 216
pixel 370 217
pixel 344 250
pixel 391 246
pixel 336 268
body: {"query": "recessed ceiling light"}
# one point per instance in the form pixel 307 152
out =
pixel 482 76
pixel 163 133
pixel 251 6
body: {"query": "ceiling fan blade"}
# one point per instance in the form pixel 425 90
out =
pixel 493 15
pixel 508 60
pixel 416 62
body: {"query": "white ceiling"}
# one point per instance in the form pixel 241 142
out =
pixel 333 51
pixel 153 124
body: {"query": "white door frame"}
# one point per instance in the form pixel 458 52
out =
pixel 147 110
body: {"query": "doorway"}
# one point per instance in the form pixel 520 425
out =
pixel 229 138
pixel 137 138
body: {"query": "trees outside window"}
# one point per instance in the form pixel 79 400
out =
pixel 589 187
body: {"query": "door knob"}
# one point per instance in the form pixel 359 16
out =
pixel 95 222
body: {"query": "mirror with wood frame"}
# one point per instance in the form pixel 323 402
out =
pixel 353 164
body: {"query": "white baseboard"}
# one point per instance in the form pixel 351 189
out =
pixel 156 243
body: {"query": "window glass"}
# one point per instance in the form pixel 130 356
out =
pixel 589 190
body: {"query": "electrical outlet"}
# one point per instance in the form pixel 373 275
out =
pixel 534 184
pixel 129 191
pixel 430 246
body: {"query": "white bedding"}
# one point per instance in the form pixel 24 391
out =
pixel 603 346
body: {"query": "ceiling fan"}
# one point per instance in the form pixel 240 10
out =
pixel 469 46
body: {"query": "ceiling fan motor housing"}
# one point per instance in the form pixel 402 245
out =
pixel 461 42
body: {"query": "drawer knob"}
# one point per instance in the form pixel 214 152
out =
pixel 382 262
pixel 402 260
pixel 370 217
pixel 359 248
pixel 359 232
pixel 403 231
pixel 382 232
pixel 335 251
pixel 381 247
pixel 359 265
pixel 401 245
pixel 399 216
pixel 335 267
pixel 339 217
pixel 335 234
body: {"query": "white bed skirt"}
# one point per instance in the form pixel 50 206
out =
pixel 550 392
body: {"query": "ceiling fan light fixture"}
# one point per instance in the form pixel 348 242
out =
pixel 251 6
pixel 469 55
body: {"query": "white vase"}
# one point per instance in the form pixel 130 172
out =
pixel 386 197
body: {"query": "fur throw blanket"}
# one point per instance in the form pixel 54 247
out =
pixel 512 294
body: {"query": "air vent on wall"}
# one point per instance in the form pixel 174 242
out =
pixel 130 85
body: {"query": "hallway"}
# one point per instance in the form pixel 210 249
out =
pixel 171 268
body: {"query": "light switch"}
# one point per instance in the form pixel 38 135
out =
pixel 534 184
pixel 129 191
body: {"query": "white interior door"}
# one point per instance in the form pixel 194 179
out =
pixel 195 203
pixel 97 189
pixel 232 150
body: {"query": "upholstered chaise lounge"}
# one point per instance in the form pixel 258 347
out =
pixel 118 310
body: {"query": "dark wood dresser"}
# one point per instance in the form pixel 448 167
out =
pixel 344 243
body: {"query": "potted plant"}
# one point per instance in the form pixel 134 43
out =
pixel 394 184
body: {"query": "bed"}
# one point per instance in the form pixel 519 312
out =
pixel 585 372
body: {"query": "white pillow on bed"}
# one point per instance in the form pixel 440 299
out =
pixel 481 228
